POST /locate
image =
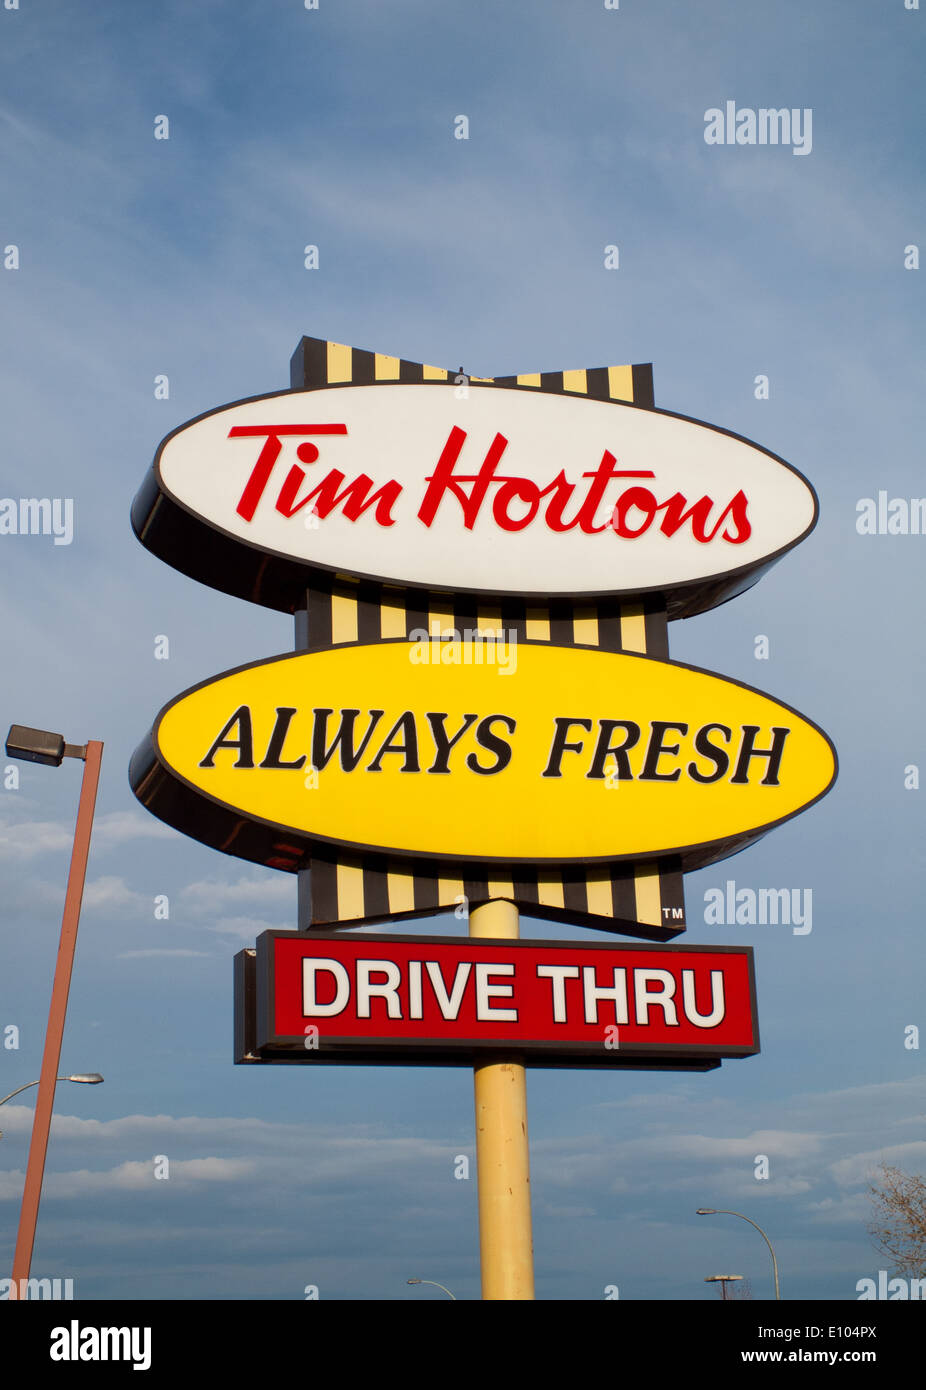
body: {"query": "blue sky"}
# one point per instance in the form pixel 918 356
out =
pixel 185 257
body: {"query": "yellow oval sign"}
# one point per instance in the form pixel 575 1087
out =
pixel 480 751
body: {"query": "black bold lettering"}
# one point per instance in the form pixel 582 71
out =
pixel 492 743
pixel 408 746
pixel 442 743
pixel 343 739
pixel 560 746
pixel 244 742
pixel 278 738
pixel 657 747
pixel 748 751
pixel 619 750
pixel 717 756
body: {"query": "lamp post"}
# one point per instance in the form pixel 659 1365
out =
pixel 436 1285
pixel 89 1078
pixel 39 746
pixel 723 1280
pixel 710 1211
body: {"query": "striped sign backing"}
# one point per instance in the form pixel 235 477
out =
pixel 644 899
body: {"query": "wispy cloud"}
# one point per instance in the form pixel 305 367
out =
pixel 132 1177
pixel 161 951
pixel 215 895
pixel 29 839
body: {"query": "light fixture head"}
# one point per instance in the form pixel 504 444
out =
pixel 39 746
pixel 35 745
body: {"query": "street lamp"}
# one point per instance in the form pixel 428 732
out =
pixel 39 746
pixel 89 1078
pixel 436 1285
pixel 723 1280
pixel 710 1211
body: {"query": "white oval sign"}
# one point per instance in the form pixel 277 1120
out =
pixel 483 490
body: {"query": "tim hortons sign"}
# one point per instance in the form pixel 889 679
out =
pixel 490 490
pixel 416 750
pixel 481 703
pixel 316 998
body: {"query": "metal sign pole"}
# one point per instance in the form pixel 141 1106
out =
pixel 502 1157
pixel 41 1124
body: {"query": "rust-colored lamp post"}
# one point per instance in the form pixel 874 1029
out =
pixel 37 746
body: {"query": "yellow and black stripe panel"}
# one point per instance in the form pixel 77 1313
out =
pixel 644 898
pixel 318 362
pixel 349 612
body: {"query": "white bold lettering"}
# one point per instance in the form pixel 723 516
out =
pixel 487 990
pixel 617 993
pixel 662 996
pixel 311 969
pixel 718 1006
pixel 387 989
pixel 558 975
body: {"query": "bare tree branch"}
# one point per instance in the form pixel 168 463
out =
pixel 898 1227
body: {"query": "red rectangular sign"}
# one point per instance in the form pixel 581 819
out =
pixel 333 997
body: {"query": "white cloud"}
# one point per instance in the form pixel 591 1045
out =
pixel 852 1207
pixel 110 894
pixel 27 839
pixel 161 951
pixel 862 1167
pixel 784 1144
pixel 247 929
pixel 118 827
pixel 213 895
pixel 135 1176
pixel 30 838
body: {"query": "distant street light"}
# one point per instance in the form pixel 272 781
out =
pixel 39 746
pixel 89 1078
pixel 723 1280
pixel 436 1285
pixel 710 1211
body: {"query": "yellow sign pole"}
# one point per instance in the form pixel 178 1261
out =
pixel 502 1159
